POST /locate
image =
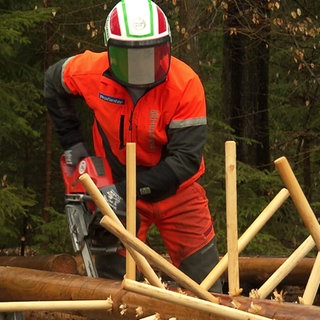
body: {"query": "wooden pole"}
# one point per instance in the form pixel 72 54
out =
pixel 247 236
pixel 107 211
pixel 286 268
pixel 232 219
pixel 313 283
pixel 157 260
pixel 299 199
pixel 131 204
pixel 55 305
pixel 189 302
pixel 152 317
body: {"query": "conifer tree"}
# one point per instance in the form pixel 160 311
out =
pixel 20 109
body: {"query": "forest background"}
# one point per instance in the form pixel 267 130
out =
pixel 259 62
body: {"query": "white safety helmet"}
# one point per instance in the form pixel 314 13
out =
pixel 138 38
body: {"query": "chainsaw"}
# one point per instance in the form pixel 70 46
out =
pixel 82 215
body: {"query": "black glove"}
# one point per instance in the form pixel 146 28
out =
pixel 75 153
pixel 115 201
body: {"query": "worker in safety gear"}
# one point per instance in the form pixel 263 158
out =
pixel 139 93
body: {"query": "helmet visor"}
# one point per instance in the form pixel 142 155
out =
pixel 139 66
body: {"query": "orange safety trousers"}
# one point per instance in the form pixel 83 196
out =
pixel 183 220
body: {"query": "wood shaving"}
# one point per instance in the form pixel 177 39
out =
pixel 109 300
pixel 236 303
pixel 181 291
pixel 139 312
pixel 123 309
pixel 278 296
pixel 254 308
pixel 254 294
pixel 236 292
pixel 164 284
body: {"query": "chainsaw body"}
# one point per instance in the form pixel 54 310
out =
pixel 82 214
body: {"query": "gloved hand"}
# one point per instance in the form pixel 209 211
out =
pixel 118 204
pixel 75 153
pixel 115 201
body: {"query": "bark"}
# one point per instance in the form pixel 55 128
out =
pixel 18 284
pixel 62 263
pixel 45 315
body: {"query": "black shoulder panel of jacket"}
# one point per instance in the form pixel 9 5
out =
pixel 61 107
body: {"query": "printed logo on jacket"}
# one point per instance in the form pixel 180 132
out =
pixel 111 99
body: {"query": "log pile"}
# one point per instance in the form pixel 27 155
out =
pixel 254 271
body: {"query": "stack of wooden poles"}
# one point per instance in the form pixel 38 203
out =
pixel 141 256
pixel 230 260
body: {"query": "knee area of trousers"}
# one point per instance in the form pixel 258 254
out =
pixel 199 264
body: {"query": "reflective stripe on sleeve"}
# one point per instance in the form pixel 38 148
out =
pixel 176 124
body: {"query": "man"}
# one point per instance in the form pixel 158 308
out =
pixel 139 93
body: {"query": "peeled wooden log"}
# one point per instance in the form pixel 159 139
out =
pixel 255 271
pixel 62 263
pixel 19 284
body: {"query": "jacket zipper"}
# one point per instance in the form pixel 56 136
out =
pixel 121 129
pixel 130 120
pixel 121 132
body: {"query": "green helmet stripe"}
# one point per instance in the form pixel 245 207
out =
pixel 124 9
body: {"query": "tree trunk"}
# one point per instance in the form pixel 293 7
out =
pixel 245 83
pixel 48 59
pixel 307 177
pixel 189 41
